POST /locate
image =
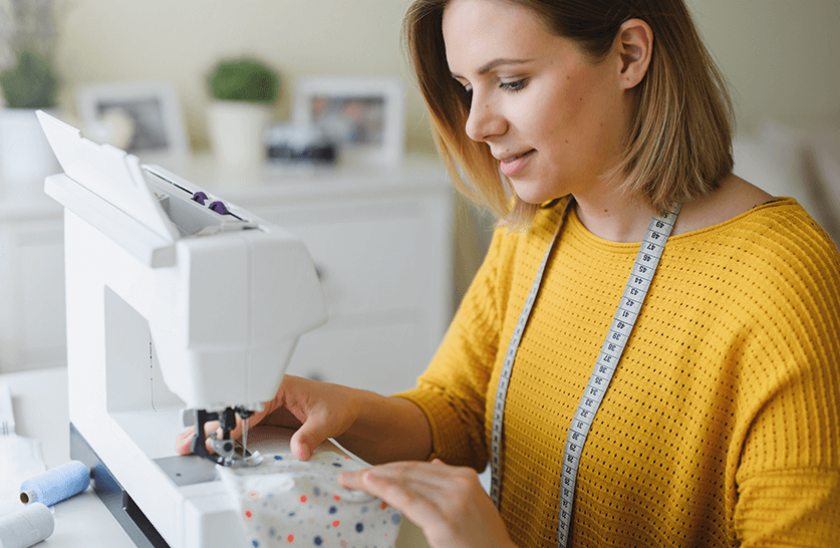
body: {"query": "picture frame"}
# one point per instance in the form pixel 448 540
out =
pixel 159 136
pixel 366 116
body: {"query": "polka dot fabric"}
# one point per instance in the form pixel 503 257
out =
pixel 287 502
pixel 721 426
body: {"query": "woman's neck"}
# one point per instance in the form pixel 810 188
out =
pixel 614 217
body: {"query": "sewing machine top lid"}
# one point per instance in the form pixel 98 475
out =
pixel 110 173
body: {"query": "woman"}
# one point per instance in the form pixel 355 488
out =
pixel 721 424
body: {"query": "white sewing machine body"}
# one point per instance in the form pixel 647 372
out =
pixel 171 305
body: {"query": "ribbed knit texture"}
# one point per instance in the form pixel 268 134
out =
pixel 722 423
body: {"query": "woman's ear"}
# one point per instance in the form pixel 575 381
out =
pixel 635 47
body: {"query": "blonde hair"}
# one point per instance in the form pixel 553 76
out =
pixel 678 145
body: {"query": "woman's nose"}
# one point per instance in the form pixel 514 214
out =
pixel 484 121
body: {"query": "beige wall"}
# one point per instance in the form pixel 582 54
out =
pixel 180 40
pixel 779 55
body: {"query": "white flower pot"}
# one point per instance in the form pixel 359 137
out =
pixel 26 158
pixel 236 132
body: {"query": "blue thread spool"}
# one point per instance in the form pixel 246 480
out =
pixel 55 485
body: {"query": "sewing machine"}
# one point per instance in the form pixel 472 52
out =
pixel 175 301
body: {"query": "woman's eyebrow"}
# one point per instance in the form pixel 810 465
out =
pixel 495 63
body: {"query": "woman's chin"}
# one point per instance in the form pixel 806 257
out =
pixel 533 194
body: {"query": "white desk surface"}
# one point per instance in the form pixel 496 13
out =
pixel 39 399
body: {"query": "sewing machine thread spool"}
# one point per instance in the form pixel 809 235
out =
pixel 219 207
pixel 26 527
pixel 55 485
pixel 199 197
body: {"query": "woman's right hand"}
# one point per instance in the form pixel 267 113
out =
pixel 318 410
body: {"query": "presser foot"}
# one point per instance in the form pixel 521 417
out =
pixel 243 458
pixel 224 449
pixel 238 457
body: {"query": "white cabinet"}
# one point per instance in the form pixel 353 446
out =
pixel 381 239
pixel 31 286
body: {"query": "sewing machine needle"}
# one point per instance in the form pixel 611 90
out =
pixel 245 437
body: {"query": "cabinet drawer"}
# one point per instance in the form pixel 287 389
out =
pixel 369 259
pixel 384 358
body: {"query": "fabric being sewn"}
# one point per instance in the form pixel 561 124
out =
pixel 286 501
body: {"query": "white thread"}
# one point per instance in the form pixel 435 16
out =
pixel 26 527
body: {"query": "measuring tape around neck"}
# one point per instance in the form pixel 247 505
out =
pixel 631 301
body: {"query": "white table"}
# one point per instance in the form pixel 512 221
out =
pixel 39 399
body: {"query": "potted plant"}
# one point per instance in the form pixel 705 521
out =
pixel 30 84
pixel 27 83
pixel 243 93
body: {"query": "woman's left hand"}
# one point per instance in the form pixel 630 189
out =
pixel 447 503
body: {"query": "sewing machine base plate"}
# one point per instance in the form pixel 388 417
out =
pixel 188 470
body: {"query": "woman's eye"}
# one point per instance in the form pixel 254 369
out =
pixel 514 86
pixel 466 96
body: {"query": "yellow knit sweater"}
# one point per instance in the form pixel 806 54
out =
pixel 722 423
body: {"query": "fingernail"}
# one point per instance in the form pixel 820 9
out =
pixel 303 451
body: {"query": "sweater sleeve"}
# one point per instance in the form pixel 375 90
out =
pixel 452 391
pixel 788 477
pixel 795 507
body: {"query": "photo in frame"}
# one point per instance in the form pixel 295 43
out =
pixel 142 118
pixel 366 116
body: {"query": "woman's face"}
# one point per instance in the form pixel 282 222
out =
pixel 554 120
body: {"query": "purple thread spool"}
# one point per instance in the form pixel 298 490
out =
pixel 219 208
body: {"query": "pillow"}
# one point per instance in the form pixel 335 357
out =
pixel 825 147
pixel 774 161
pixel 780 159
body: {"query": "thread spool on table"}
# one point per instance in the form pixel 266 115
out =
pixel 26 527
pixel 56 485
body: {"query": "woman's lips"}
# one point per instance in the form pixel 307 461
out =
pixel 516 164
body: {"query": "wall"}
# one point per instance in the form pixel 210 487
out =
pixel 179 41
pixel 777 54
